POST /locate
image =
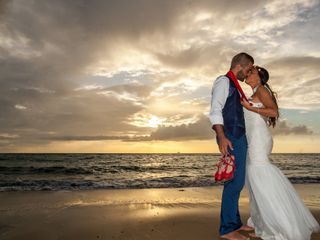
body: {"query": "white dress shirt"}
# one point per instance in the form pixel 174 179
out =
pixel 219 95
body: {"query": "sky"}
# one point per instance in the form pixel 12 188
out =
pixel 129 76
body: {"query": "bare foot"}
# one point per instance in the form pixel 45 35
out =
pixel 245 228
pixel 234 236
pixel 253 235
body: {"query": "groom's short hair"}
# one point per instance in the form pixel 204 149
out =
pixel 241 58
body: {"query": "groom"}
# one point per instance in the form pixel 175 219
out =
pixel 227 119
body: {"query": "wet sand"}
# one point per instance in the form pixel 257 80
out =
pixel 137 214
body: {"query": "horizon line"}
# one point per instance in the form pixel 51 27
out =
pixel 217 153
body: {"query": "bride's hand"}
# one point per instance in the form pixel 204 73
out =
pixel 245 103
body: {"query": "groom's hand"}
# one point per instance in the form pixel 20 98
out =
pixel 224 143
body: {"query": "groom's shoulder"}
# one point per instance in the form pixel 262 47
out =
pixel 222 78
pixel 221 82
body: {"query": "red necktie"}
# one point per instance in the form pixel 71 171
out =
pixel 236 83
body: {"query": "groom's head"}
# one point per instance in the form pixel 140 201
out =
pixel 241 64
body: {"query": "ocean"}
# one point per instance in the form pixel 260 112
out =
pixel 25 172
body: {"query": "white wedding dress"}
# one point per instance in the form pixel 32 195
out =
pixel 276 210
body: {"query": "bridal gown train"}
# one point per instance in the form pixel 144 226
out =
pixel 276 210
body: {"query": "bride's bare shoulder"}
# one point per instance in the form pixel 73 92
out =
pixel 262 91
pixel 265 97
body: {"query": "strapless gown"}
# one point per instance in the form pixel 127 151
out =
pixel 276 210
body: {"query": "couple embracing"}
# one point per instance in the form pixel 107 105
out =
pixel 242 130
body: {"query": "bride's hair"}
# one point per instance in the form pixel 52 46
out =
pixel 264 77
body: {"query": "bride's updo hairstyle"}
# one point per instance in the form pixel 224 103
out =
pixel 264 77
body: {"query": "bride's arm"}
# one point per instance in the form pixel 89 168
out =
pixel 270 109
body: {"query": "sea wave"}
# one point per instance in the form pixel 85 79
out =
pixel 24 172
pixel 43 170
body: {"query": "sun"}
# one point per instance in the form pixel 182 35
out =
pixel 154 122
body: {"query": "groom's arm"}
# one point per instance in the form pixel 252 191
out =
pixel 223 142
pixel 219 95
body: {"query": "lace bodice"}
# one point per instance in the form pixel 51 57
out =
pixel 258 134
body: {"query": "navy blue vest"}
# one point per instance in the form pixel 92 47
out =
pixel 232 113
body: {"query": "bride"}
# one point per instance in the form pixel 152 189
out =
pixel 276 210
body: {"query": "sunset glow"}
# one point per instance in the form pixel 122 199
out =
pixel 80 78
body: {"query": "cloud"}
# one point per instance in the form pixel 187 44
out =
pixel 295 79
pixel 282 128
pixel 199 130
pixel 85 138
pixel 74 70
pixel 46 46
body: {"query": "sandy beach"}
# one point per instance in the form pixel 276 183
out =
pixel 136 214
